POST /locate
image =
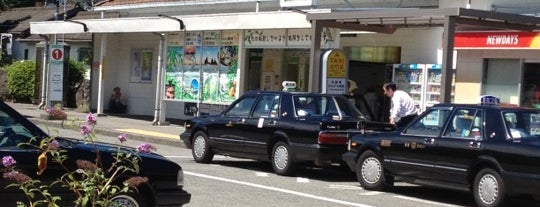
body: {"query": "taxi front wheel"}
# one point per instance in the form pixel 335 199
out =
pixel 201 150
pixel 489 189
pixel 370 171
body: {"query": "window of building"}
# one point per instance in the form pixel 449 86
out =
pixel 85 55
pixel 530 92
pixel 502 78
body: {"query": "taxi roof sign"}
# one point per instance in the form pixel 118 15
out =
pixel 489 100
pixel 288 85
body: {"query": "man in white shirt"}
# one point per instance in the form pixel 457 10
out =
pixel 403 109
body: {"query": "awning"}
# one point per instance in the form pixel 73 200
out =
pixel 466 19
pixel 230 21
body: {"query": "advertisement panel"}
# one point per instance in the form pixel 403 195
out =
pixel 202 67
pixel 497 40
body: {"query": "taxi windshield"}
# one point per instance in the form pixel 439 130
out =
pixel 522 124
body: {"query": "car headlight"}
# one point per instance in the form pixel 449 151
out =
pixel 180 178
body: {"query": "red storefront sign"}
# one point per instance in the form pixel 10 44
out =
pixel 497 40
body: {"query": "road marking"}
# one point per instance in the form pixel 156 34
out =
pixel 261 174
pixel 177 157
pixel 424 201
pixel 277 189
pixel 371 193
pixel 191 157
pixel 302 180
pixel 345 187
pixel 150 133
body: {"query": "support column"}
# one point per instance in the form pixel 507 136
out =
pixel 315 57
pixel 101 83
pixel 448 57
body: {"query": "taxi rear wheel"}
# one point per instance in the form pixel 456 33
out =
pixel 282 160
pixel 201 150
pixel 370 171
pixel 489 189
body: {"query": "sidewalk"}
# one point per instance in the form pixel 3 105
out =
pixel 135 127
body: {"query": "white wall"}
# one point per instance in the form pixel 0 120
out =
pixel 139 96
pixel 469 69
pixel 418 45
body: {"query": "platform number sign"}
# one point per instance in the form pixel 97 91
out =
pixel 57 54
pixel 56 74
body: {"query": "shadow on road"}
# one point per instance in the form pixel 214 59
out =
pixel 328 174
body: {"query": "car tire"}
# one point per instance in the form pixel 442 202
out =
pixel 128 200
pixel 489 189
pixel 201 150
pixel 282 159
pixel 370 171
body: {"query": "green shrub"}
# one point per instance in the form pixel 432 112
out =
pixel 75 81
pixel 20 81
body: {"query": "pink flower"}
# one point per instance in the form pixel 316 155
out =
pixel 8 161
pixel 146 148
pixel 53 145
pixel 48 110
pixel 16 177
pixel 122 137
pixel 91 119
pixel 85 130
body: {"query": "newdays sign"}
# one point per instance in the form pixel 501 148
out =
pixel 293 3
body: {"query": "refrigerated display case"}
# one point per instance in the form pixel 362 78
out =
pixel 421 81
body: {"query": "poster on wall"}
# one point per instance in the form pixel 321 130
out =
pixel 228 61
pixel 175 65
pixel 191 80
pixel 141 66
pixel 210 66
pixel 202 67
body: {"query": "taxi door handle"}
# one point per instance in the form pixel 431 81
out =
pixel 272 123
pixel 474 144
pixel 240 121
pixel 429 141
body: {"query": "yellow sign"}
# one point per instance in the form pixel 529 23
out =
pixel 336 65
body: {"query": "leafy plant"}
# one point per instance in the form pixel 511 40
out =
pixel 20 81
pixel 93 182
pixel 75 78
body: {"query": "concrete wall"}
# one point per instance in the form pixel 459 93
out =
pixel 470 64
pixel 139 96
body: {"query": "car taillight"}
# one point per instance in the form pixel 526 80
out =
pixel 332 138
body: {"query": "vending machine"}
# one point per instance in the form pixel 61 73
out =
pixel 421 81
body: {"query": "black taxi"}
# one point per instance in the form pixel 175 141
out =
pixel 285 128
pixel 165 185
pixel 487 149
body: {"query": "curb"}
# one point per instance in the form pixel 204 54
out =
pixel 107 132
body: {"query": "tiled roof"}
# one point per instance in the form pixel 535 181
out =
pixel 17 21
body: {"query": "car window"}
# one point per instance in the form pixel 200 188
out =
pixel 241 108
pixel 465 123
pixel 346 107
pixel 325 106
pixel 430 123
pixel 12 132
pixel 522 125
pixel 267 106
